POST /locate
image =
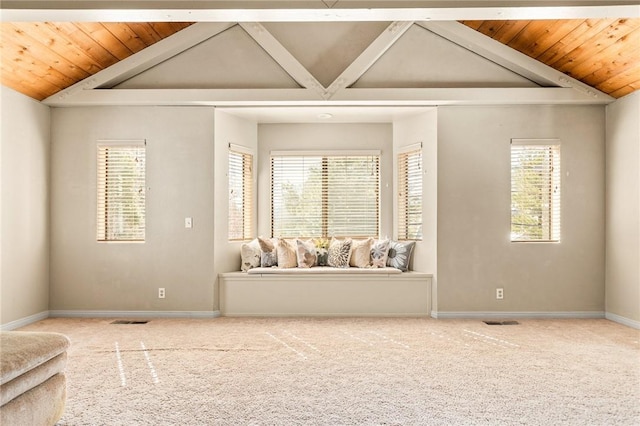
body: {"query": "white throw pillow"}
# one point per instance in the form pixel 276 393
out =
pixel 250 255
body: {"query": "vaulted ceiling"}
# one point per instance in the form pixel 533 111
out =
pixel 40 59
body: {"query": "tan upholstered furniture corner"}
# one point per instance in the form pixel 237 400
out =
pixel 32 381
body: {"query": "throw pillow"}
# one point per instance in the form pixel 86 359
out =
pixel 286 253
pixel 250 254
pixel 306 254
pixel 268 255
pixel 361 253
pixel 339 253
pixel 379 253
pixel 322 251
pixel 400 254
pixel 323 256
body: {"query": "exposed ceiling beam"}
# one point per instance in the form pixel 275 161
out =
pixel 309 97
pixel 509 58
pixel 283 57
pixel 309 10
pixel 465 96
pixel 145 59
pixel 369 56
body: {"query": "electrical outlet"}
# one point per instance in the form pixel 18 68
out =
pixel 161 293
pixel 499 293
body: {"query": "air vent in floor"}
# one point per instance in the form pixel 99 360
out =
pixel 501 322
pixel 128 322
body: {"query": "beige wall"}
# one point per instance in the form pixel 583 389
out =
pixel 25 154
pixel 421 128
pixel 91 276
pixel 623 210
pixel 475 255
pixel 238 131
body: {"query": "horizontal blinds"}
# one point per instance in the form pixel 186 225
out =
pixel 410 195
pixel 240 194
pixel 535 192
pixel 324 196
pixel 121 192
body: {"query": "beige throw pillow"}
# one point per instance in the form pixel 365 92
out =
pixel 286 253
pixel 361 253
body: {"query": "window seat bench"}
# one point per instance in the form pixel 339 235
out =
pixel 322 291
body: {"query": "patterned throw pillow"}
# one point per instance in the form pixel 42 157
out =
pixel 323 256
pixel 379 253
pixel 306 254
pixel 286 252
pixel 400 254
pixel 250 254
pixel 361 253
pixel 339 253
pixel 268 255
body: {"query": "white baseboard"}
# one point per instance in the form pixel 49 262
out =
pixel 504 315
pixel 133 314
pixel 25 321
pixel 622 320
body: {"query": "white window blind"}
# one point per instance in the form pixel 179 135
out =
pixel 121 191
pixel 325 195
pixel 240 193
pixel 535 190
pixel 410 193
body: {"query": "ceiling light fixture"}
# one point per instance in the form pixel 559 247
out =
pixel 324 116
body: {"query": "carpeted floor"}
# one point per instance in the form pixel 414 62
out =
pixel 375 371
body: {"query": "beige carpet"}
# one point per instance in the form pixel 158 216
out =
pixel 382 371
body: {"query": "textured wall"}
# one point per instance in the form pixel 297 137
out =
pixel 475 255
pixel 623 208
pixel 87 275
pixel 25 154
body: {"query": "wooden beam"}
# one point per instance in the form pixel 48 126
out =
pixel 283 57
pixel 309 10
pixel 156 97
pixel 344 97
pixel 468 96
pixel 147 58
pixel 369 56
pixel 509 58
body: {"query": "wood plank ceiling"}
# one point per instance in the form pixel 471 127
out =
pixel 603 53
pixel 40 59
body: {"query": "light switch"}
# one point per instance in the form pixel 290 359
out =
pixel 188 222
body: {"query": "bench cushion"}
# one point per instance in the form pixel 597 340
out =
pixel 325 270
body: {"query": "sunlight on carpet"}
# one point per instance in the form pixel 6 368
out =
pixel 373 371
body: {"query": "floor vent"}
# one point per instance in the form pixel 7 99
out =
pixel 501 322
pixel 128 322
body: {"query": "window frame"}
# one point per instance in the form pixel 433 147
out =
pixel 406 176
pixel 248 188
pixel 550 217
pixel 103 233
pixel 374 156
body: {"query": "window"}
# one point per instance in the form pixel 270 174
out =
pixel 535 190
pixel 325 194
pixel 240 193
pixel 410 193
pixel 121 191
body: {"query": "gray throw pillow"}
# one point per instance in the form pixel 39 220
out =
pixel 400 254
